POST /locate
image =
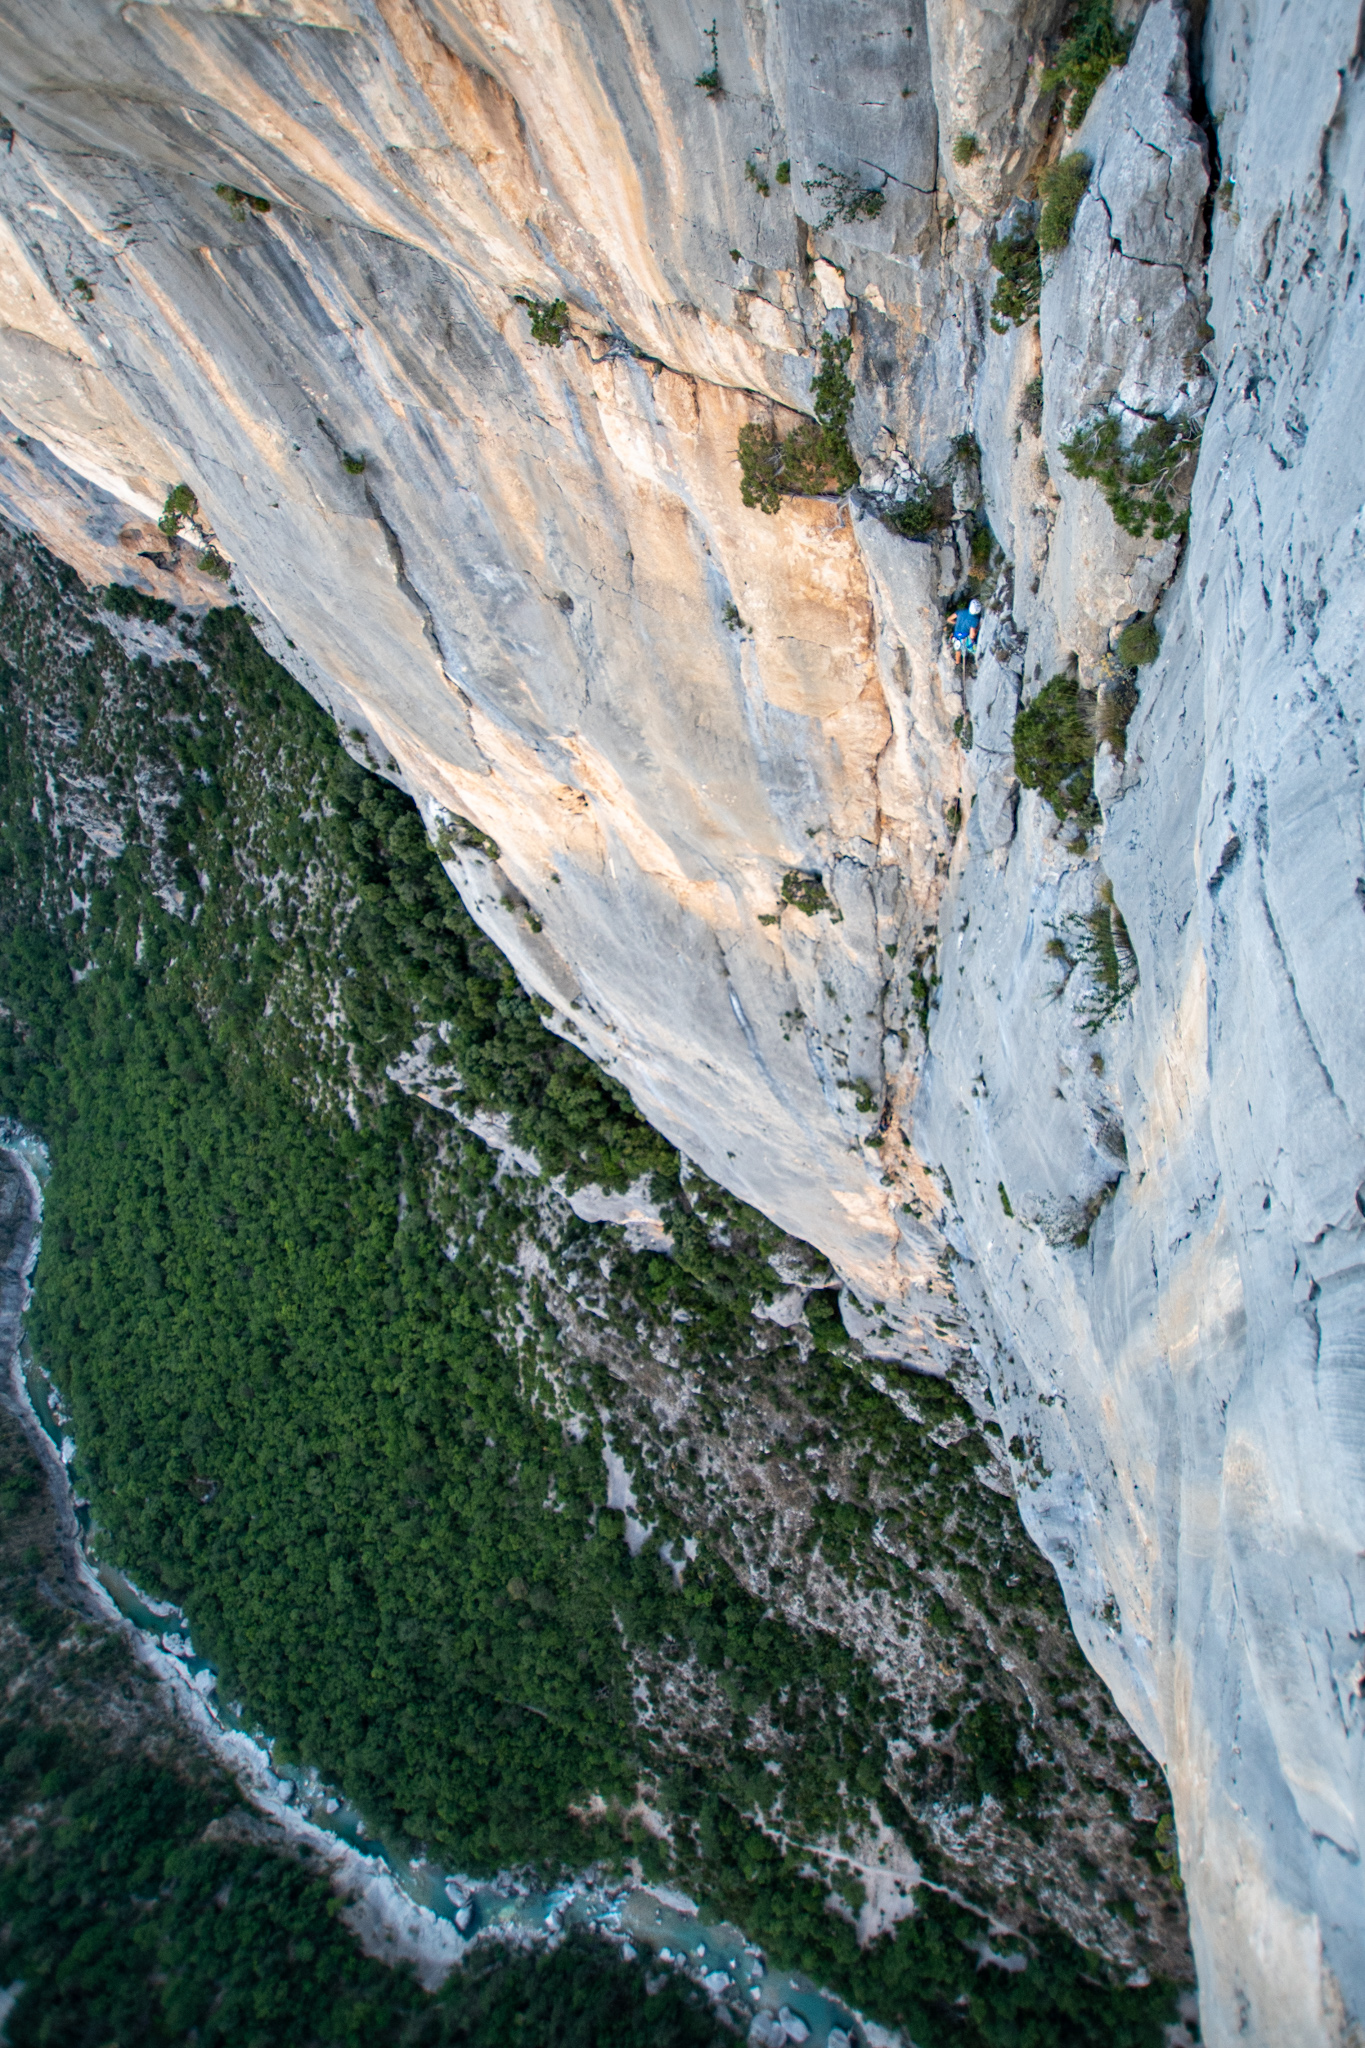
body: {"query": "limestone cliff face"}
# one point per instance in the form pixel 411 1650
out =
pixel 543 603
pixel 1190 1380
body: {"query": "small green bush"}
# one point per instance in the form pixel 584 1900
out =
pixel 181 504
pixel 240 201
pixel 1166 1851
pixel 1005 1202
pixel 815 457
pixel 760 453
pixel 983 545
pixel 964 149
pixel 549 319
pixel 807 893
pixel 81 288
pixel 1021 279
pixel 1106 951
pixel 354 465
pixel 1062 186
pixel 1092 48
pixel 845 196
pixel 709 80
pixel 1054 749
pixel 757 179
pixel 831 388
pixel 211 563
pixel 783 173
pixel 126 603
pixel 1138 644
pixel 915 517
pixel 1137 480
pixel 923 982
pixel 1031 404
pixel 454 832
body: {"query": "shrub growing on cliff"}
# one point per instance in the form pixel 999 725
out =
pixel 807 893
pixel 964 149
pixel 1092 48
pixel 845 196
pixel 453 833
pixel 1106 951
pixel 1062 186
pixel 832 388
pixel 709 80
pixel 815 457
pixel 1138 478
pixel 916 516
pixel 181 504
pixel 1016 298
pixel 1054 748
pixel 983 546
pixel 1138 643
pixel 242 202
pixel 549 319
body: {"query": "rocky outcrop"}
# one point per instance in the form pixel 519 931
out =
pixel 727 819
pixel 994 117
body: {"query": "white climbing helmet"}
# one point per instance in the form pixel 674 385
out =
pixel 975 606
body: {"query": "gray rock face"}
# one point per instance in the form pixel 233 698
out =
pixel 987 72
pixel 1182 1379
pixel 1122 323
pixel 731 828
pixel 855 99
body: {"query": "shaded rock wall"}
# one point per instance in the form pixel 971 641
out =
pixel 544 605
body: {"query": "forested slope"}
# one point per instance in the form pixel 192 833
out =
pixel 342 1383
pixel 142 1903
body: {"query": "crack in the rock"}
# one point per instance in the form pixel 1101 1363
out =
pixel 925 191
pixel 405 583
pixel 1142 262
pixel 1292 988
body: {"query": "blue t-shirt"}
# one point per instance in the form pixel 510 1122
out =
pixel 963 628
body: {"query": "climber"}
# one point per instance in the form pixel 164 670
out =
pixel 966 624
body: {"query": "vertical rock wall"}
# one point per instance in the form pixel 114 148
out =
pixel 525 575
pixel 1182 1385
